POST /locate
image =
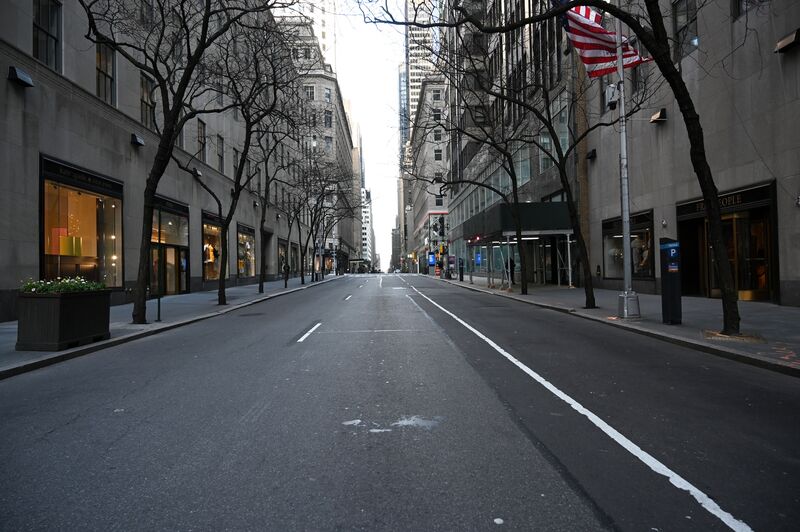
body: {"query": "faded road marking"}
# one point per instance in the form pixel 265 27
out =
pixel 348 297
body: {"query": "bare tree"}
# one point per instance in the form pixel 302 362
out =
pixel 168 41
pixel 257 75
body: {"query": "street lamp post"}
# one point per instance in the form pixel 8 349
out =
pixel 628 300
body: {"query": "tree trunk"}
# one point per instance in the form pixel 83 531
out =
pixel 262 270
pixel 583 254
pixel 523 261
pixel 160 163
pixel 223 267
pixel 697 152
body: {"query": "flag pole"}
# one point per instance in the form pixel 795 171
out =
pixel 628 300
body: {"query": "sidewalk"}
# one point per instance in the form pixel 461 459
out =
pixel 176 311
pixel 770 333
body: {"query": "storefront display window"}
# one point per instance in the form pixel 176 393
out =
pixel 282 255
pixel 246 252
pixel 212 251
pixel 82 234
pixel 174 228
pixel 642 260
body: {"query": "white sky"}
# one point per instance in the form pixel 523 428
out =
pixel 367 58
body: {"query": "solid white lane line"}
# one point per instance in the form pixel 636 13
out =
pixel 348 297
pixel 306 335
pixel 362 286
pixel 646 458
pixel 380 281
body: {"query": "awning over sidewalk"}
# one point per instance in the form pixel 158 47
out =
pixel 497 223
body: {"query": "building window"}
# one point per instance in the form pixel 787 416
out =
pixel 179 137
pixel 328 119
pixel 641 247
pixel 684 23
pixel 328 94
pixel 309 91
pixel 220 154
pixel 437 134
pixel 82 234
pixel 148 106
pixel 246 252
pixel 559 113
pixel 306 53
pixel 437 155
pixel 201 140
pixel 212 246
pixel 437 95
pixel 439 200
pixel 437 115
pixel 146 11
pixel 328 144
pixel 104 63
pixel 740 7
pixel 236 162
pixel 47 33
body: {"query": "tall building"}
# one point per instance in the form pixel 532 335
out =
pixel 745 91
pixel 322 14
pixel 329 135
pixel 429 161
pixel 419 51
pixel 367 228
pixel 403 116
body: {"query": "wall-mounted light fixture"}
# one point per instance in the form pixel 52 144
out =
pixel 197 173
pixel 660 116
pixel 20 77
pixel 663 223
pixel 255 204
pixel 136 140
pixel 797 201
pixel 788 42
pixel 592 155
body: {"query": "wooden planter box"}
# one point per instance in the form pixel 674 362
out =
pixel 52 322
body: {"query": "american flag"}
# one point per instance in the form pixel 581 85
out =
pixel 596 46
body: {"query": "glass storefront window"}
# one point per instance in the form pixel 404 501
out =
pixel 641 247
pixel 246 252
pixel 174 228
pixel 82 234
pixel 212 251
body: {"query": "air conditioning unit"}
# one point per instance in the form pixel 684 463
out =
pixel 612 96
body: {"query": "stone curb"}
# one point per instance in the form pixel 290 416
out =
pixel 731 354
pixel 98 346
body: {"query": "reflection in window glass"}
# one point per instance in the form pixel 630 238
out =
pixel 174 229
pixel 642 261
pixel 82 234
pixel 212 251
pixel 246 255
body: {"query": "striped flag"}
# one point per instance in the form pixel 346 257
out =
pixel 596 46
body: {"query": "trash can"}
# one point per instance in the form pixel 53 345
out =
pixel 670 281
pixel 460 269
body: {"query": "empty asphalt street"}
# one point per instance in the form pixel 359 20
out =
pixel 399 402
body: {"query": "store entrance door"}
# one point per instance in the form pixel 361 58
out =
pixel 747 236
pixel 169 269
